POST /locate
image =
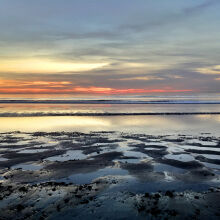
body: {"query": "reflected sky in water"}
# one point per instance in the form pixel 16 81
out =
pixel 188 124
pixel 103 108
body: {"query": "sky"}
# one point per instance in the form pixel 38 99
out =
pixel 109 46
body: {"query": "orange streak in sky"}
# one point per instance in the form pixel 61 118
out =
pixel 66 87
pixel 93 90
pixel 15 83
pixel 124 91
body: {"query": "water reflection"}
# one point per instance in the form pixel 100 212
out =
pixel 103 108
pixel 189 124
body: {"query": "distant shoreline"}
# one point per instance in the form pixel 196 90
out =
pixel 41 114
pixel 100 101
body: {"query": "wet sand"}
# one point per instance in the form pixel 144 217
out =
pixel 109 175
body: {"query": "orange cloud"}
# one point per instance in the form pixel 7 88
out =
pixel 90 90
pixel 16 83
pixel 124 91
pixel 67 87
pixel 47 83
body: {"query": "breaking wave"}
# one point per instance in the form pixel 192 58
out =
pixel 40 114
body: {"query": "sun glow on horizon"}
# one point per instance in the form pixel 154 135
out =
pixel 67 87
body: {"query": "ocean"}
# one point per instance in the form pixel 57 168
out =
pixel 146 114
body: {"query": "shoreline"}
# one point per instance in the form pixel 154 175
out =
pixel 42 114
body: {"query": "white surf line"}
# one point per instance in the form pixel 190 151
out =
pixel 41 114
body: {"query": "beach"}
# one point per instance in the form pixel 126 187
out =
pixel 120 167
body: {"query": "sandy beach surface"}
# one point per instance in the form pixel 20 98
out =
pixel 109 175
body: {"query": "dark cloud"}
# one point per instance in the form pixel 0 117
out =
pixel 200 7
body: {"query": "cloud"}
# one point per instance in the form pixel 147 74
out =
pixel 142 78
pixel 215 70
pixel 88 90
pixel 200 7
pixel 45 66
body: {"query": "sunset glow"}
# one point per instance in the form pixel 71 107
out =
pixel 76 48
pixel 41 87
pixel 109 109
pixel 45 66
